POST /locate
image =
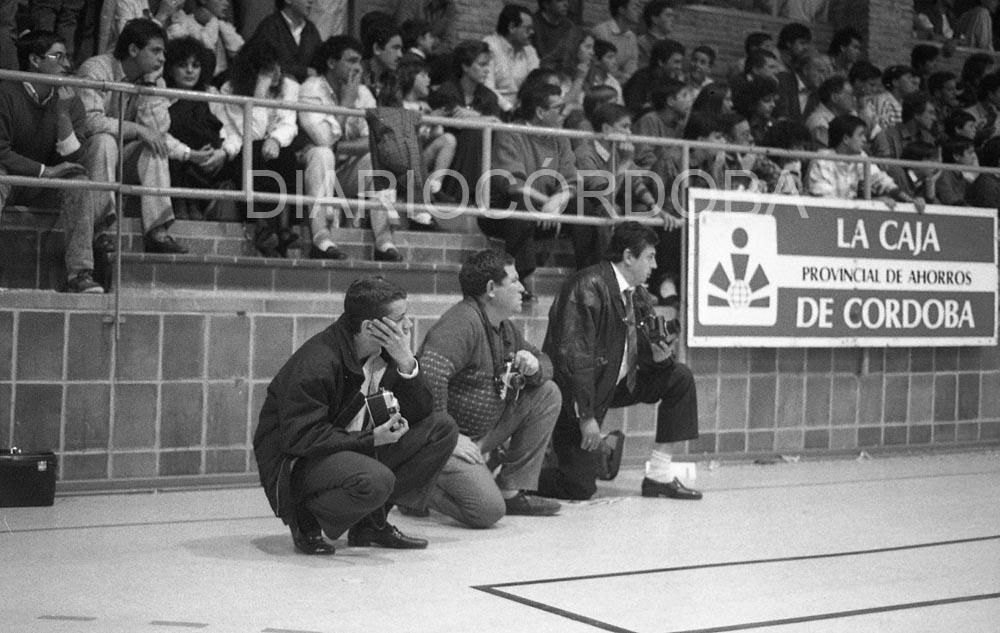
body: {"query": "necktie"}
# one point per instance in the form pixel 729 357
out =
pixel 631 341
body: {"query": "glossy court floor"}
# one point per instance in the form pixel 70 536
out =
pixel 893 544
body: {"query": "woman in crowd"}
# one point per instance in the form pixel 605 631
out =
pixel 756 100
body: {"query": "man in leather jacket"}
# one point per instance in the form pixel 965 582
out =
pixel 604 357
pixel 327 460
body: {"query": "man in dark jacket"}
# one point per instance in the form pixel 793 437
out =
pixel 605 356
pixel 293 36
pixel 328 459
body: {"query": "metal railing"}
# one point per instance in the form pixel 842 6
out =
pixel 487 129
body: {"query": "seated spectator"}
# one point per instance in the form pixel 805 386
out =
pixel 925 60
pixel 666 61
pixel 462 356
pixel 953 185
pixel 572 61
pixel 794 41
pixel 742 167
pixel 42 135
pixel 700 67
pixel 56 17
pixel 115 14
pixel 666 120
pixel 465 95
pixel 985 110
pixel 292 35
pixel 519 156
pixel 813 70
pixel 620 31
pixel 410 90
pixel 257 73
pixel 658 16
pixel 934 19
pixel 419 40
pixel 836 97
pixel 552 26
pixel 442 15
pixel 786 177
pixel 198 160
pixel 715 98
pixel 756 100
pixel 866 80
pixel 976 25
pixel 976 66
pixel 138 58
pixel 210 23
pixel 339 145
pixel 579 119
pixel 943 88
pixel 846 49
pixel 985 189
pixel 760 63
pixel 898 81
pixel 601 66
pixel 383 49
pixel 918 124
pixel 918 182
pixel 839 179
pixel 756 41
pixel 961 124
pixel 607 182
pixel 512 55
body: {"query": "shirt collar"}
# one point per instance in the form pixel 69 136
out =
pixel 623 284
pixel 602 152
pixel 34 94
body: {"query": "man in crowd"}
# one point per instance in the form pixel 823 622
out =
pixel 344 432
pixel 41 135
pixel 293 36
pixel 552 26
pixel 338 146
pixel 498 388
pixel 625 16
pixel 836 97
pixel 605 357
pixel 513 55
pixel 137 59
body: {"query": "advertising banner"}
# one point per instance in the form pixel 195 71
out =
pixel 788 271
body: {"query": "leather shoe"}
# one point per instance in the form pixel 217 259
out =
pixel 675 490
pixel 386 536
pixel 312 543
pixel 531 506
pixel 388 255
pixel 609 455
pixel 330 252
pixel 165 244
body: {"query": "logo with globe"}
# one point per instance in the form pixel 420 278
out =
pixel 736 252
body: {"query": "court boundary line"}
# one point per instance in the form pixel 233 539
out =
pixel 496 589
pixel 105 526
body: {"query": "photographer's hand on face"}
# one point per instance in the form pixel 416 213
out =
pixel 468 451
pixel 394 340
pixel 591 433
pixel 390 432
pixel 526 363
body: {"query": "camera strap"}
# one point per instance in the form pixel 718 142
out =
pixel 495 356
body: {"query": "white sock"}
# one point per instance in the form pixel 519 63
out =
pixel 658 467
pixel 325 244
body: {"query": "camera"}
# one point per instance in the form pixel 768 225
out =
pixel 510 382
pixel 381 406
pixel 659 329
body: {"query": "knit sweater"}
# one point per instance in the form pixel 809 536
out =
pixel 29 131
pixel 456 363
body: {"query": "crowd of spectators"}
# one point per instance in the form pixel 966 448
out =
pixel 540 67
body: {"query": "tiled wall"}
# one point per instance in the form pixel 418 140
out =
pixel 187 387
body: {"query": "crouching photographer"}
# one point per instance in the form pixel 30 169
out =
pixel 498 389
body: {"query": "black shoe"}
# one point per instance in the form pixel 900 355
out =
pixel 266 242
pixel 427 227
pixel 312 543
pixel 386 536
pixel 104 244
pixel 331 252
pixel 675 490
pixel 83 283
pixel 165 244
pixel 531 506
pixel 609 455
pixel 388 255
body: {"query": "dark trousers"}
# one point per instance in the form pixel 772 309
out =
pixel 338 490
pixel 519 241
pixel 671 385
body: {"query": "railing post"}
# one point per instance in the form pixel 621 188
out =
pixel 120 214
pixel 682 282
pixel 487 159
pixel 866 178
pixel 248 155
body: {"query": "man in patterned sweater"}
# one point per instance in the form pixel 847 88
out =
pixel 465 352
